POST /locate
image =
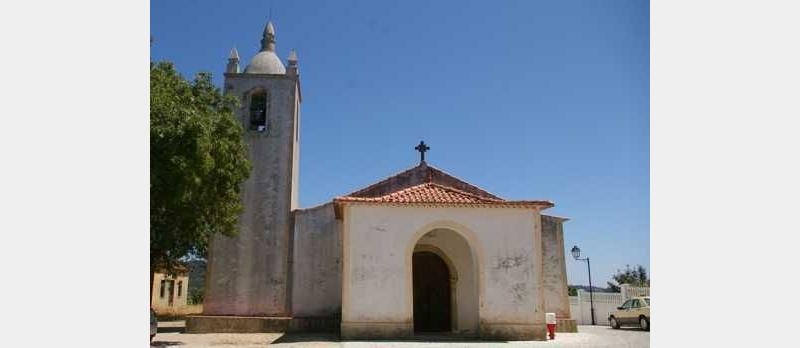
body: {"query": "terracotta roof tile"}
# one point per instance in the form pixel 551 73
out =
pixel 422 173
pixel 432 193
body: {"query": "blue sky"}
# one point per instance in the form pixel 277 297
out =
pixel 526 99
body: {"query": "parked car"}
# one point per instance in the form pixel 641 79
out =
pixel 634 312
pixel 153 324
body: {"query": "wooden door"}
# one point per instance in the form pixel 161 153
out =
pixel 431 279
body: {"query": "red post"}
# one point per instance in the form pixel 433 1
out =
pixel 550 319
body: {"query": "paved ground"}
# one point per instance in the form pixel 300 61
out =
pixel 171 334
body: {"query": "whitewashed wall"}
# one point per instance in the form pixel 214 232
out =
pixel 604 304
pixel 317 267
pixel 378 242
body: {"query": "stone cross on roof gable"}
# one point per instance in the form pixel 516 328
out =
pixel 422 148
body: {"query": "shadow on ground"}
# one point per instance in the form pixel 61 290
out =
pixel 332 337
pixel 168 329
pixel 165 343
pixel 307 337
pixel 629 329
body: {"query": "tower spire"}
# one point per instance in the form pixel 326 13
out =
pixel 233 62
pixel 268 39
pixel 292 68
pixel 292 58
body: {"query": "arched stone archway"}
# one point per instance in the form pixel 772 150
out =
pixel 444 260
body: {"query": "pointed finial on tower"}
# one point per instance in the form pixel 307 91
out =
pixel 268 40
pixel 291 69
pixel 233 62
pixel 292 57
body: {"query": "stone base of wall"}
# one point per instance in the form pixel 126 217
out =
pixel 235 324
pixel 514 332
pixel 350 330
pixel 566 325
pixel 314 324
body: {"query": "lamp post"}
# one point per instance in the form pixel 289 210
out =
pixel 576 253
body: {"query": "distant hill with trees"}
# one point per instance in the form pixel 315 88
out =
pixel 636 276
pixel 573 289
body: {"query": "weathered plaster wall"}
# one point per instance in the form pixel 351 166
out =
pixel 247 274
pixel 317 263
pixel 296 149
pixel 556 296
pixel 378 242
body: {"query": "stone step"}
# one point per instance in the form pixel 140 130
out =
pixel 566 325
pixel 240 324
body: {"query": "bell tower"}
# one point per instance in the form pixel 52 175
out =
pixel 248 275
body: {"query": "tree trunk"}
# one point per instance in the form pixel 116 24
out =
pixel 152 279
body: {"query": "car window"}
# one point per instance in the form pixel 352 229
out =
pixel 635 304
pixel 648 301
pixel 627 304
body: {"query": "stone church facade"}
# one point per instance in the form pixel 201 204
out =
pixel 420 251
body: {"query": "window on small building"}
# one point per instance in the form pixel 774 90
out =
pixel 259 106
pixel 161 290
pixel 180 287
pixel 171 298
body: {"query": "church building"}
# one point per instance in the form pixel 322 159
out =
pixel 419 252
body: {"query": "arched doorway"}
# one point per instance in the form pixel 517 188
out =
pixel 432 293
pixel 452 269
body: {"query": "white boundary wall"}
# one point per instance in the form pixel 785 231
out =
pixel 604 303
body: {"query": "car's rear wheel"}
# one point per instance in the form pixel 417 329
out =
pixel 613 322
pixel 644 323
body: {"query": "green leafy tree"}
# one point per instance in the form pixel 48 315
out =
pixel 572 291
pixel 196 296
pixel 197 164
pixel 636 276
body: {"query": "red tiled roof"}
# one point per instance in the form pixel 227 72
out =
pixel 420 174
pixel 432 193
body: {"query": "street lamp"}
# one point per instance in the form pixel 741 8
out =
pixel 576 253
